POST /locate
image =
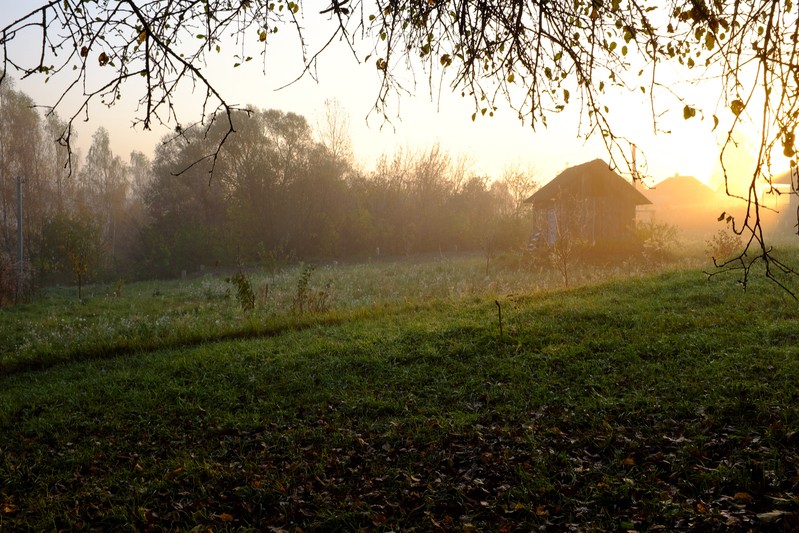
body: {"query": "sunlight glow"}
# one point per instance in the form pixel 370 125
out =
pixel 423 118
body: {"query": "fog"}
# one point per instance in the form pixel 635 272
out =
pixel 284 189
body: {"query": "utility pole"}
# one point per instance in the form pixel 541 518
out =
pixel 20 258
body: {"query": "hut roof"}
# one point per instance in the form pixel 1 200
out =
pixel 591 179
pixel 786 178
pixel 681 190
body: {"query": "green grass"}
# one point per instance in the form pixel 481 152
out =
pixel 663 401
pixel 59 328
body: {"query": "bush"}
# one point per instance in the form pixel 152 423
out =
pixel 657 240
pixel 724 244
pixel 308 299
pixel 8 281
pixel 244 293
pixel 13 289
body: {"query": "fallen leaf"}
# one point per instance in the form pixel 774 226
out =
pixel 771 516
pixel 540 511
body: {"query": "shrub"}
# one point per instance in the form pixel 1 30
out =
pixel 12 288
pixel 724 244
pixel 8 281
pixel 244 293
pixel 310 300
pixel 658 240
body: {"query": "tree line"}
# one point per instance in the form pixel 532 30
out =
pixel 280 190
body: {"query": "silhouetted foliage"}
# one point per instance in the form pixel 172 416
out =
pixel 278 189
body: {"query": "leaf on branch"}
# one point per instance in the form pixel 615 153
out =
pixel 715 122
pixel 737 106
pixel 84 51
pixel 142 37
pixel 787 143
pixel 710 40
pixel 688 112
pixel 103 59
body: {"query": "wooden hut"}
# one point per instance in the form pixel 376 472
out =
pixel 588 203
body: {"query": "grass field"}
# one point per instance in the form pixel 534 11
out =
pixel 661 401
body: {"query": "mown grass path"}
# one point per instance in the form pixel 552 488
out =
pixel 662 403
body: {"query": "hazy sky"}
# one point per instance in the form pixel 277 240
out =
pixel 492 144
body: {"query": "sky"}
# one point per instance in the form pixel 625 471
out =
pixel 492 144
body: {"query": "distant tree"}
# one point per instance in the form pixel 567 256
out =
pixel 186 217
pixel 20 133
pixel 75 242
pixel 27 151
pixel 520 184
pixel 103 187
pixel 471 214
pixel 333 130
pixel 141 174
pixel 58 157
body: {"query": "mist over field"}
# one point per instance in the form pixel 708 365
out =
pixel 284 191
